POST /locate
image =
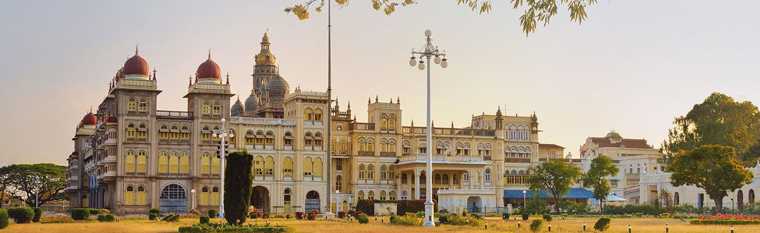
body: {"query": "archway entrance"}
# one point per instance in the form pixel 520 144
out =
pixel 173 199
pixel 474 204
pixel 740 199
pixel 260 199
pixel 312 201
pixel 751 197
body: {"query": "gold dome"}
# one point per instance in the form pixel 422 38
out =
pixel 265 56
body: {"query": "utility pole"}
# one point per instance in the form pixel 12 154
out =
pixel 329 106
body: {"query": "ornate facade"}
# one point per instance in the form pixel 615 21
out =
pixel 130 157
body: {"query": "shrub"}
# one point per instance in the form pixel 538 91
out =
pixel 409 206
pixel 154 214
pixel 602 224
pixel 93 211
pixel 420 214
pixel 366 206
pixel 505 216
pixel 341 214
pixel 37 215
pixel 312 215
pixel 443 218
pixel 80 213
pixel 212 213
pixel 57 219
pixel 299 215
pixel 205 220
pixel 536 225
pixel 362 218
pixel 525 216
pixel 3 218
pixel 409 219
pixel 21 215
pixel 237 187
pixel 454 219
pixel 548 217
pixel 213 228
pixel 106 218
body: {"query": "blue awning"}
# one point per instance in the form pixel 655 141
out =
pixel 574 193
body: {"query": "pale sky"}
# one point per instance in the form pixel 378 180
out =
pixel 633 67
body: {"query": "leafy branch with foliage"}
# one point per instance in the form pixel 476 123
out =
pixel 535 12
pixel 554 176
pixel 34 183
pixel 596 178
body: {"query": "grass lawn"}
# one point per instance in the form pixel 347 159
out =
pixel 618 225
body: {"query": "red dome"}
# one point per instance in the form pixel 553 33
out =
pixel 208 69
pixel 89 119
pixel 136 65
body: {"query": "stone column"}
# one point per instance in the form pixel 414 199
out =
pixel 416 195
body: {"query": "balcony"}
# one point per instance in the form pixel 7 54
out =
pixel 363 126
pixel 312 124
pixel 388 154
pixel 450 131
pixel 516 160
pixel 511 180
pixel 442 159
pixel 164 114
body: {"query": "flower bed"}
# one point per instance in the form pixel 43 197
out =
pixel 727 219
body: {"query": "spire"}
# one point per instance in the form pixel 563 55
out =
pixel 398 100
pixel 412 123
pixel 349 105
pixel 376 99
pixel 498 111
pixel 228 79
pixel 452 124
pixel 391 100
pixel 369 100
pixel 209 54
pixel 154 75
pixel 189 81
pixel 137 49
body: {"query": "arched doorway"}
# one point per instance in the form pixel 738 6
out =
pixel 474 204
pixel 740 199
pixel 312 201
pixel 751 197
pixel 173 199
pixel 260 199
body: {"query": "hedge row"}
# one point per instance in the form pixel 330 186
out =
pixel 220 228
pixel 725 222
pixel 21 215
pixel 3 218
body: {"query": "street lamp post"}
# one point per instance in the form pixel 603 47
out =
pixel 192 199
pixel 525 193
pixel 222 134
pixel 430 51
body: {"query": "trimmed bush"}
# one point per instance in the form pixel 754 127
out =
pixel 409 206
pixel 409 220
pixel 505 216
pixel 170 218
pixel 443 218
pixel 212 213
pixel 205 220
pixel 536 225
pixel 21 215
pixel 548 217
pixel 80 213
pixel 362 218
pixel 420 214
pixel 237 187
pixel 56 219
pixel 154 214
pixel 94 211
pixel 525 216
pixel 602 224
pixel 366 206
pixel 299 215
pixel 106 218
pixel 313 215
pixel 37 215
pixel 3 218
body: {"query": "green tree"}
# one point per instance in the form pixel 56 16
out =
pixel 35 183
pixel 719 120
pixel 534 11
pixel 554 176
pixel 237 187
pixel 713 168
pixel 596 178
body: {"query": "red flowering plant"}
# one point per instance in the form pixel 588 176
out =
pixel 731 219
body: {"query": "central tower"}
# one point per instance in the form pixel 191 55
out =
pixel 269 88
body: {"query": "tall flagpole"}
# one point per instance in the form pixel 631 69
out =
pixel 329 106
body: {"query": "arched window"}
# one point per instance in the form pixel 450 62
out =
pixel 214 198
pixel 318 139
pixel 142 161
pixel 286 197
pixel 307 167
pixel 382 195
pixel 371 172
pixel 288 141
pixel 308 115
pixel 142 196
pixel 163 163
pixel 437 179
pixel 383 172
pixel 258 166
pixel 360 195
pixel 205 164
pixel 216 165
pixel 129 166
pixel 174 163
pixel 317 167
pixel 676 199
pixel 287 168
pixel 371 195
pixel 487 176
pixel 308 141
pixel 269 140
pixel 204 198
pixel 129 195
pixel 132 105
pixel 392 195
pixel 362 172
pixel 269 166
pixel 338 182
pixel 318 114
pixel 184 163
pixel 250 137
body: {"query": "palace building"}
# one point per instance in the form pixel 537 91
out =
pixel 130 156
